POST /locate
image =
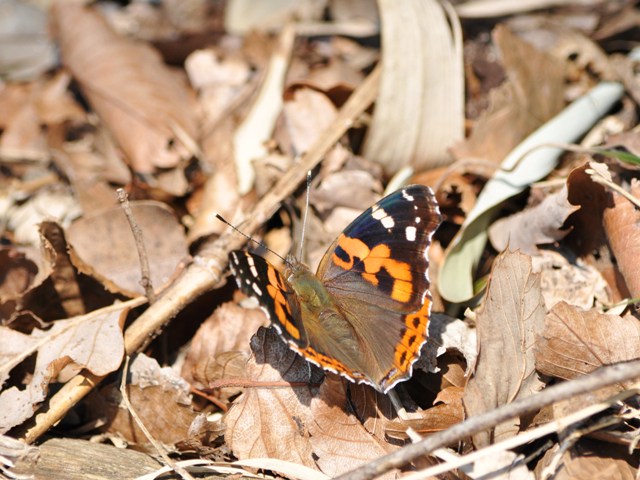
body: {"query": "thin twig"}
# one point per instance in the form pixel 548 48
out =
pixel 206 271
pixel 521 439
pixel 159 448
pixel 598 178
pixel 145 279
pixel 602 377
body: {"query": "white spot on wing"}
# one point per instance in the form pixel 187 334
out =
pixel 378 213
pixel 387 222
pixel 256 289
pixel 418 220
pixel 410 232
pixel 407 196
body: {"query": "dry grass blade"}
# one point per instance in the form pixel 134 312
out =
pixel 251 136
pixel 422 51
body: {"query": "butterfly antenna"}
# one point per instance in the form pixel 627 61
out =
pixel 304 218
pixel 251 239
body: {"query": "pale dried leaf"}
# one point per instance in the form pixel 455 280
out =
pixel 273 422
pixel 421 50
pixel 228 329
pixel 535 226
pixel 140 100
pixel 589 459
pixel 306 114
pixel 93 341
pixel 575 342
pixel 447 412
pixel 56 203
pixel 160 399
pixel 339 441
pixel 105 245
pixel 511 315
pixel 575 282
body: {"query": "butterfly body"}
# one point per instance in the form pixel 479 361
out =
pixel 364 313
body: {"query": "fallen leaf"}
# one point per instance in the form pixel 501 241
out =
pixel 622 226
pixel 501 465
pixel 570 280
pixel 160 399
pixel 306 114
pixel 92 341
pixel 339 441
pixel 575 342
pixel 273 421
pixel 218 347
pixel 535 226
pixel 510 317
pixel 447 412
pixel 589 459
pixel 139 99
pixel 105 245
pixel 532 94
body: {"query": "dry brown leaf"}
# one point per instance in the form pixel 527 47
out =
pixel 586 234
pixel 140 100
pixel 533 93
pixel 589 459
pixel 534 226
pixel 511 315
pixel 622 226
pixel 306 114
pixel 419 113
pixel 273 421
pixel 106 248
pixel 339 441
pixel 447 412
pixel 228 329
pixel 570 280
pixel 93 341
pixel 17 273
pixel 159 397
pixel 575 342
pixel 64 275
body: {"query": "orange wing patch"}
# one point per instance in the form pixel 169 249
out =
pixel 329 363
pixel 282 309
pixel 375 260
pixel 414 337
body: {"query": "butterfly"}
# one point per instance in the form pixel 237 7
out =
pixel 364 313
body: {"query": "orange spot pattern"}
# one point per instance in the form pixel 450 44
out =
pixel 281 308
pixel 375 260
pixel 329 363
pixel 413 338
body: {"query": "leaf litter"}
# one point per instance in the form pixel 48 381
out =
pixel 364 95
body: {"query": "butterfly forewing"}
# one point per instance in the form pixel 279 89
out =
pixel 377 270
pixel 258 278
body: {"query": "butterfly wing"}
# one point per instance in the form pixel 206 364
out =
pixel 377 273
pixel 258 278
